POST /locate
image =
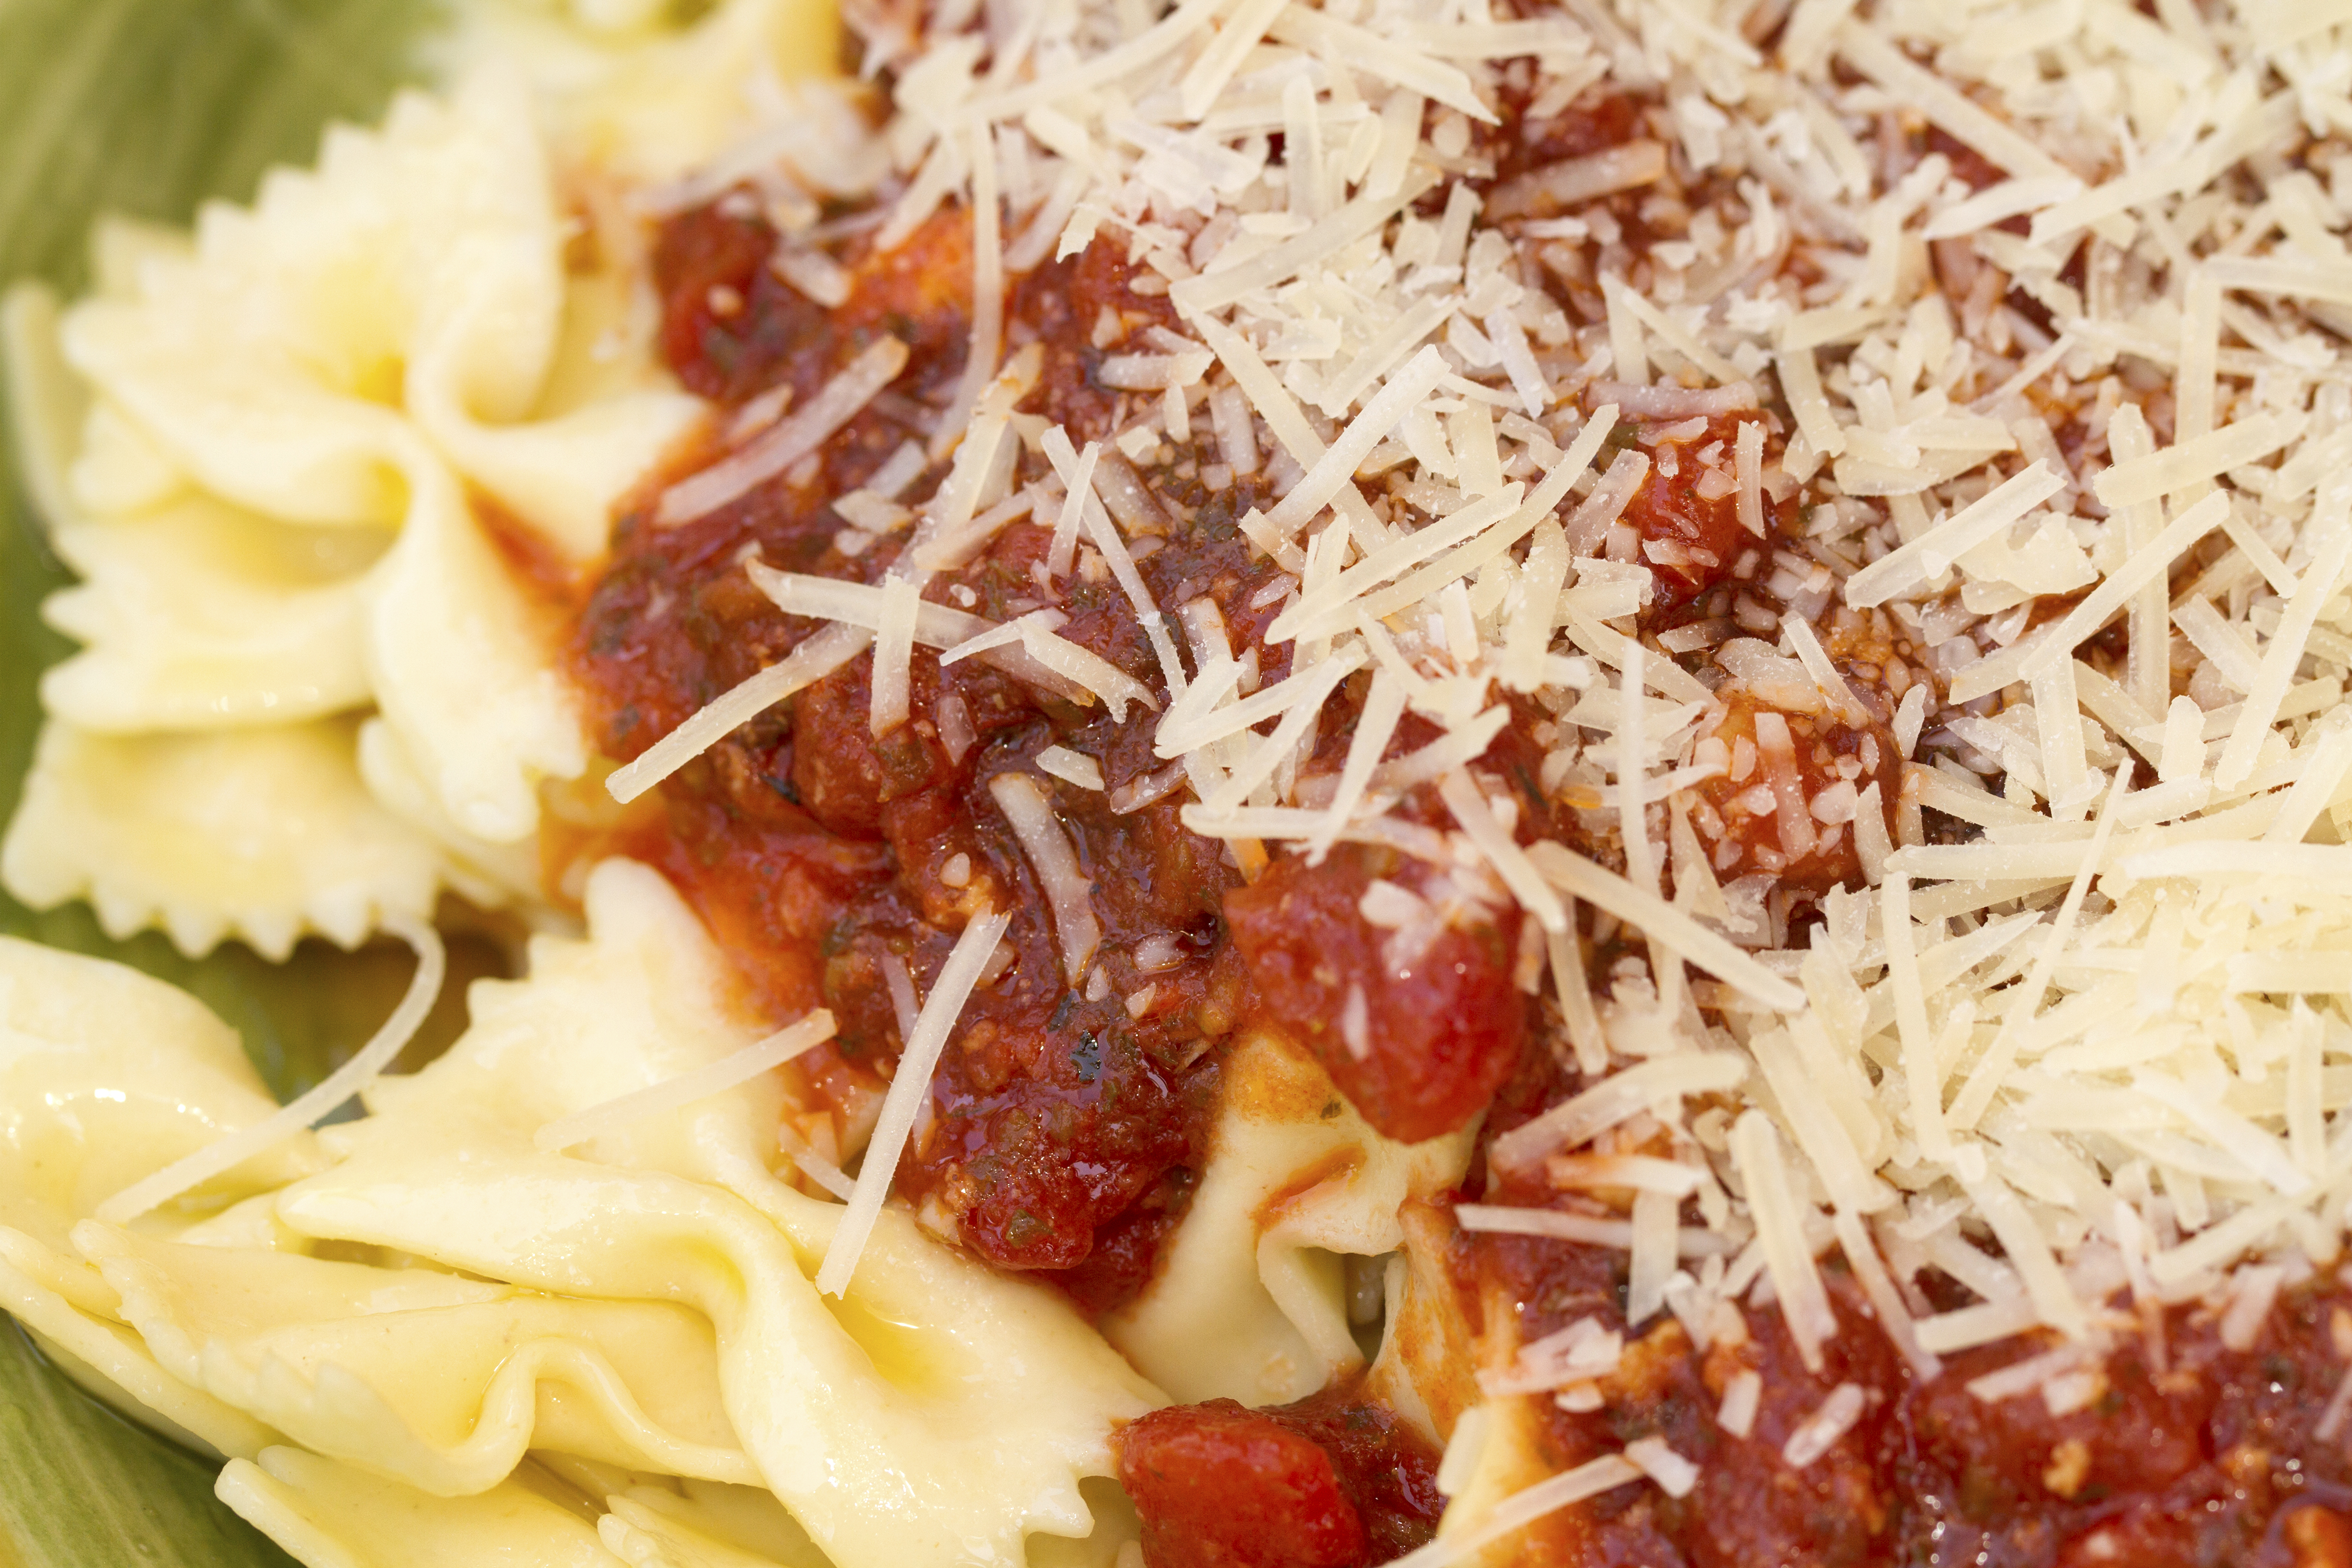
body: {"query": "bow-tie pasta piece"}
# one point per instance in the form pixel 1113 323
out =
pixel 416 274
pixel 901 1426
pixel 330 1515
pixel 438 1382
pixel 259 833
pixel 1250 1302
pixel 389 341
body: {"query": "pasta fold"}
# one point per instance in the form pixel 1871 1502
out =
pixel 1249 1302
pixel 332 1515
pixel 905 1424
pixel 436 1381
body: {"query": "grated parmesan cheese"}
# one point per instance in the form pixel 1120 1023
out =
pixel 782 445
pixel 355 1077
pixel 910 1087
pixel 671 1094
pixel 2095 1001
pixel 1067 892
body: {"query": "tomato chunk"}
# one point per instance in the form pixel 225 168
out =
pixel 1690 539
pixel 1221 1487
pixel 1388 1469
pixel 1418 1024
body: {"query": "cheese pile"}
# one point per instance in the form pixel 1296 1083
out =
pixel 2049 293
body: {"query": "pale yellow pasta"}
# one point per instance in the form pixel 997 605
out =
pixel 747 1520
pixel 643 107
pixel 489 875
pixel 260 833
pixel 1248 1303
pixel 333 1516
pixel 355 350
pixel 49 1296
pixel 645 1537
pixel 107 1075
pixel 646 1307
pixel 436 1381
pixel 272 362
pixel 195 615
pixel 462 670
pixel 939 1405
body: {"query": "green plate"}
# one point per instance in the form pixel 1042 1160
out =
pixel 150 106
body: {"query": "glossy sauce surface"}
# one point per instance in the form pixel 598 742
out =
pixel 2187 1454
pixel 1334 1480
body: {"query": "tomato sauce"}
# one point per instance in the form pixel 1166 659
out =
pixel 1067 1122
pixel 1335 1481
pixel 2187 1454
pixel 1450 1022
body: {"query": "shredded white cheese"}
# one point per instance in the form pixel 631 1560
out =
pixel 837 403
pixel 354 1077
pixel 675 1093
pixel 910 1088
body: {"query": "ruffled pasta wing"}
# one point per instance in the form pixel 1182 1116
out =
pixel 910 1423
pixel 373 343
pixel 415 275
pixel 197 616
pixel 332 1515
pixel 1249 1301
pixel 106 1076
pixel 463 670
pixel 261 833
pixel 436 1381
pixel 271 362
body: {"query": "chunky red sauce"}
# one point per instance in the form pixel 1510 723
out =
pixel 1068 1122
pixel 1335 1481
pixel 1451 1022
pixel 2203 1458
pixel 1066 1126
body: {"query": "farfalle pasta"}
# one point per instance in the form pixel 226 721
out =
pixel 283 425
pixel 641 1304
